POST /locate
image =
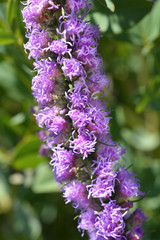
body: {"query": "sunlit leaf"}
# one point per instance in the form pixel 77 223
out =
pixel 14 18
pixel 110 5
pixel 101 20
pixel 126 14
pixel 12 10
pixel 25 222
pixel 3 6
pixel 6 38
pixel 5 198
pixel 43 180
pixel 146 31
pixel 141 139
pixel 26 153
pixel 11 83
pixel 150 98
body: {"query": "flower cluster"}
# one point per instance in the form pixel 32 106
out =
pixel 75 122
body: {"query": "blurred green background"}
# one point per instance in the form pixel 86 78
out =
pixel 31 205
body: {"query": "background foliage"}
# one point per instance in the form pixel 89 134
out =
pixel 31 206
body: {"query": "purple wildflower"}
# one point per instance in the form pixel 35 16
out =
pixel 97 81
pixel 63 162
pixel 77 193
pixel 75 123
pixel 128 185
pixel 73 26
pixel 38 40
pixel 50 118
pixel 136 233
pixel 110 223
pixel 78 97
pixel 137 217
pixel 58 46
pixel 72 68
pixel 47 67
pixel 87 220
pixel 76 5
pixel 84 144
pixel 34 11
pixel 108 150
pixel 44 151
pixel 103 186
pixel 86 54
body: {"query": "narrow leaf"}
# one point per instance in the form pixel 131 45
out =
pixel 43 181
pixel 110 5
pixel 26 153
pixel 6 38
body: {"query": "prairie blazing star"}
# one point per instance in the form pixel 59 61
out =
pixel 75 123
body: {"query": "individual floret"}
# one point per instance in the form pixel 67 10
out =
pixel 63 162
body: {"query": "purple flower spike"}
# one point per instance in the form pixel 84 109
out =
pixel 75 123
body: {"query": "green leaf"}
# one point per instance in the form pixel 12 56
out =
pixel 3 25
pixel 110 5
pixel 146 31
pixel 5 157
pixel 150 26
pixel 11 10
pixel 141 139
pixel 150 98
pixel 10 82
pixel 26 153
pixel 25 221
pixel 3 5
pixel 5 198
pixel 8 136
pixel 13 13
pixel 101 20
pixel 28 161
pixel 126 14
pixel 14 18
pixel 6 38
pixel 43 180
